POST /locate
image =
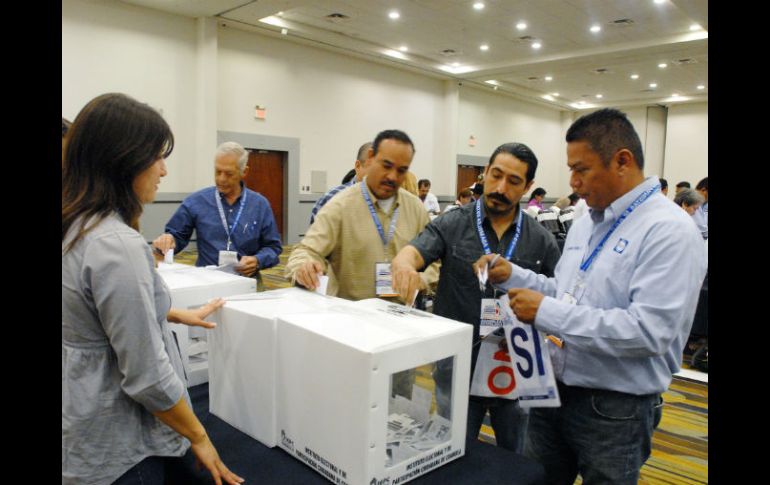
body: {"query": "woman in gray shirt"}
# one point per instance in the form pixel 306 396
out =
pixel 126 414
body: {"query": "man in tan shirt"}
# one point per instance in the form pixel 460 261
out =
pixel 358 232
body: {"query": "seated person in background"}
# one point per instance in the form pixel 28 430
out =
pixel 664 187
pixel 701 216
pixel 233 224
pixel 681 185
pixel 429 200
pixel 464 197
pixel 356 174
pixel 567 201
pixel 536 199
pixel 689 200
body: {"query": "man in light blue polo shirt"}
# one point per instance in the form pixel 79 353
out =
pixel 620 306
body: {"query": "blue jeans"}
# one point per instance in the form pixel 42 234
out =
pixel 509 421
pixel 606 436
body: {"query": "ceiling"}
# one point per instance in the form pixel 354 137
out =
pixel 443 38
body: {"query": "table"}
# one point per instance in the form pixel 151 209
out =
pixel 250 459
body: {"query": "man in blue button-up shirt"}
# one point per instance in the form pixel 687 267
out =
pixel 620 305
pixel 226 217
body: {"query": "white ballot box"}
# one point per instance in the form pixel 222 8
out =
pixel 242 357
pixel 192 287
pixel 358 398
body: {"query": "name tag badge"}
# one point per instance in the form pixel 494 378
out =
pixel 383 280
pixel 228 257
pixel 491 316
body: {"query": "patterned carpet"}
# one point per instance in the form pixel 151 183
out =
pixel 680 444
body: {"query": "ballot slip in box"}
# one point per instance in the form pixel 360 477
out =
pixel 356 395
pixel 192 287
pixel 242 357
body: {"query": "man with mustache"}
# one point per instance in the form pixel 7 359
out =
pixel 494 224
pixel 357 233
pixel 233 224
pixel 621 302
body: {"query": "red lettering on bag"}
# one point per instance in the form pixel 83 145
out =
pixel 501 355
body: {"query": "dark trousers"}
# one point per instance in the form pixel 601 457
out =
pixel 165 470
pixel 606 436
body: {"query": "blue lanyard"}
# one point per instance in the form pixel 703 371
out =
pixel 376 219
pixel 639 200
pixel 483 237
pixel 229 232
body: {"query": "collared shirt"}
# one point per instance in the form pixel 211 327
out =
pixel 256 234
pixel 629 326
pixel 431 203
pixel 327 197
pixel 120 362
pixel 453 238
pixel 701 218
pixel 345 240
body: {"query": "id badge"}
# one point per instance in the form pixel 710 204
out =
pixel 491 316
pixel 383 280
pixel 228 257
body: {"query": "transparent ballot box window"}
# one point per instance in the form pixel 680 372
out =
pixel 419 410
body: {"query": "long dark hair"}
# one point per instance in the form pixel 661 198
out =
pixel 112 140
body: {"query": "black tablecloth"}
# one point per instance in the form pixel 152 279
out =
pixel 250 459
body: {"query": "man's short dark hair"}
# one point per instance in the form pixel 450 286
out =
pixel 663 184
pixel 703 184
pixel 520 151
pixel 478 188
pixel 349 176
pixel 423 183
pixel 606 131
pixel 392 135
pixel 464 193
pixel 683 185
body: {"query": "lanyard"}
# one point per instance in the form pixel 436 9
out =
pixel 376 219
pixel 483 237
pixel 639 200
pixel 222 214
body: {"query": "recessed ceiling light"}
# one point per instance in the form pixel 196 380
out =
pixel 521 25
pixel 694 27
pixel 484 47
pixel 403 48
pixel 491 81
pixel 554 94
pixel 284 31
pixel 675 95
pixel 394 14
pixel 549 78
pixel 599 96
pixel 548 97
pixel 701 86
pixel 478 5
pixel 536 45
pixel 659 1
pixel 662 65
pixel 634 76
pixel 595 29
pixel 653 85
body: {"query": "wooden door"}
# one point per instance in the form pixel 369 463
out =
pixel 466 176
pixel 266 176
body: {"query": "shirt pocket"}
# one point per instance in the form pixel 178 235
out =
pixel 459 265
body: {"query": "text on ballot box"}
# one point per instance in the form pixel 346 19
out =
pixel 192 287
pixel 356 395
pixel 242 357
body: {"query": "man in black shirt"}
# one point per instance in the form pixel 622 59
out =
pixel 493 224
